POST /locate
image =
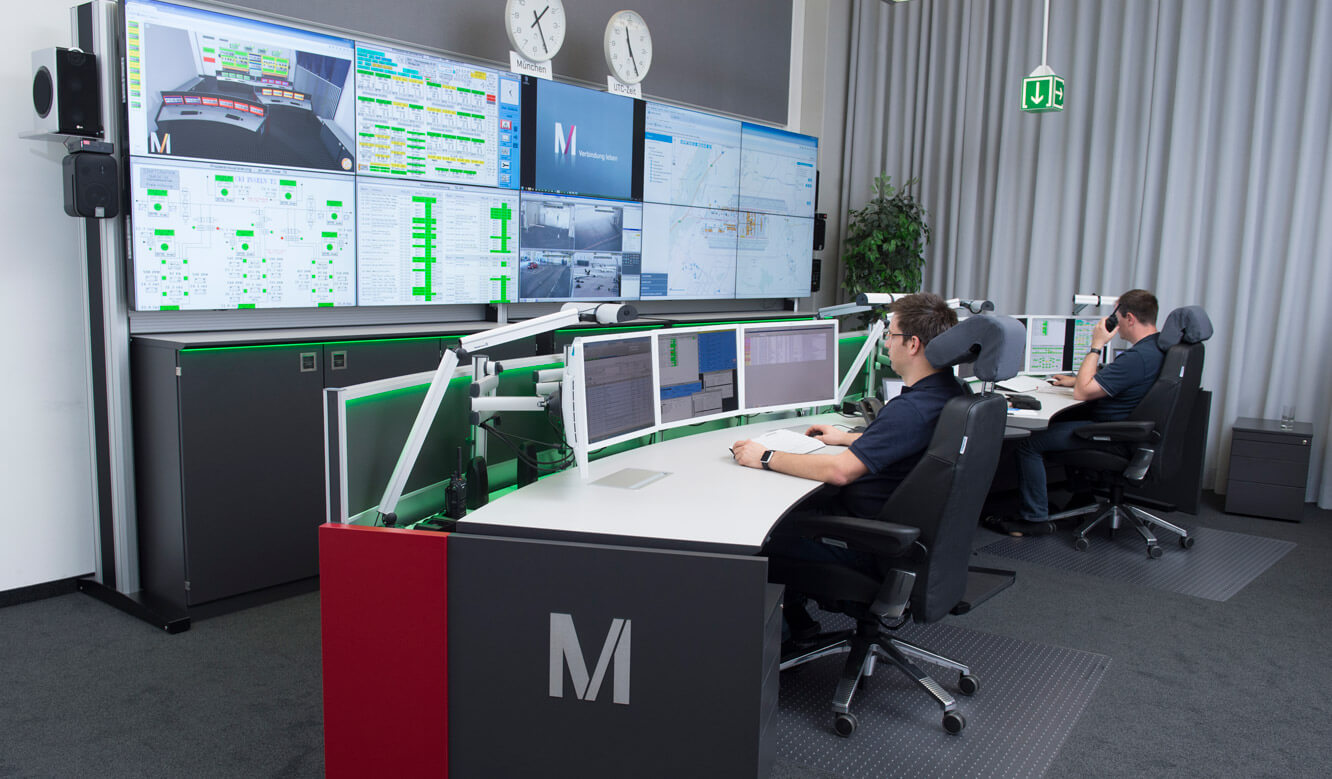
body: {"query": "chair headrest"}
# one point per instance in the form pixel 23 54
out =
pixel 993 344
pixel 1187 324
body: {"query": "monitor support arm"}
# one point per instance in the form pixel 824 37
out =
pixel 570 314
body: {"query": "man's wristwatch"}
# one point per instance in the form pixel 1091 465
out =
pixel 765 458
pixel 1096 352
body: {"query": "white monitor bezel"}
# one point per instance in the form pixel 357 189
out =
pixel 656 374
pixel 575 359
pixel 834 379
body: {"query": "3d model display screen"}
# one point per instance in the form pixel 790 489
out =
pixel 278 167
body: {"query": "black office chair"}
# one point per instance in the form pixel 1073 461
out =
pixel 1149 445
pixel 921 540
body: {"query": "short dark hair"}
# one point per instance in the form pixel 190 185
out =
pixel 1141 304
pixel 924 315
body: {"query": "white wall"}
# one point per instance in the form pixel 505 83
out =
pixel 46 528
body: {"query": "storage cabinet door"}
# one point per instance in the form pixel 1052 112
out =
pixel 252 453
pixel 361 361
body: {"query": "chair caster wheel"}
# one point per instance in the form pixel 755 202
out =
pixel 967 684
pixel 1186 541
pixel 953 722
pixel 1154 552
pixel 1081 544
pixel 845 724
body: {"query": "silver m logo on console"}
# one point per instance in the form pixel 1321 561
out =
pixel 566 651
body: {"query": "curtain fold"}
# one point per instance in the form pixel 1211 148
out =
pixel 1191 159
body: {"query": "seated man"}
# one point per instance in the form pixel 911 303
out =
pixel 878 459
pixel 1111 394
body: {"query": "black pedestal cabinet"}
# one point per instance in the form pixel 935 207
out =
pixel 229 453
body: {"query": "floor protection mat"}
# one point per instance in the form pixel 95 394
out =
pixel 1220 564
pixel 1030 696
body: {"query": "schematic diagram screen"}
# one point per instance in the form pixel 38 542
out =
pixel 1049 345
pixel 209 236
pixel 423 243
pixel 429 118
pixel 697 375
pixel 617 381
pixel 789 365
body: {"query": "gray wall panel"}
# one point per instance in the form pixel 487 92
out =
pixel 732 57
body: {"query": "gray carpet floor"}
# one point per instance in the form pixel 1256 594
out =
pixel 1194 687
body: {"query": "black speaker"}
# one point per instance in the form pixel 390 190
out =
pixel 66 92
pixel 92 185
pixel 820 230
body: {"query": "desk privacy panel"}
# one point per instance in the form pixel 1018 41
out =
pixel 273 166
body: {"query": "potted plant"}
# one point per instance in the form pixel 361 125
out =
pixel 885 241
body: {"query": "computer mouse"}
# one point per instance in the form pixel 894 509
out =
pixel 815 433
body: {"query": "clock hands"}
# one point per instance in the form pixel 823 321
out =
pixel 536 22
pixel 630 44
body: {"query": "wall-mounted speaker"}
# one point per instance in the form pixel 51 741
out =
pixel 92 185
pixel 66 92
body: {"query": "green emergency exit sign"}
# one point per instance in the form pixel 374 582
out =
pixel 1042 93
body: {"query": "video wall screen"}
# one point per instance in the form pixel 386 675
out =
pixel 277 167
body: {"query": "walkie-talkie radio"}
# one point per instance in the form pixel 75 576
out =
pixel 455 495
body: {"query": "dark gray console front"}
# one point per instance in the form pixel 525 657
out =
pixel 583 660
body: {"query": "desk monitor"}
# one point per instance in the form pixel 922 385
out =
pixel 609 379
pixel 1056 344
pixel 696 374
pixel 788 365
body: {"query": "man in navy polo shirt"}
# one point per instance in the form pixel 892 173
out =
pixel 1111 393
pixel 878 459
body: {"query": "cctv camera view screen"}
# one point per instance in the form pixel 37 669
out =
pixel 697 374
pixel 278 167
pixel 578 248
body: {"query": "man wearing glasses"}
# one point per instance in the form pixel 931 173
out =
pixel 1110 393
pixel 876 460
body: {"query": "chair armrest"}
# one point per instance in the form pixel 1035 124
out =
pixel 880 538
pixel 1117 432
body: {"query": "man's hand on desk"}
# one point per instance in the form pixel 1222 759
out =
pixel 747 453
pixel 1063 380
pixel 832 435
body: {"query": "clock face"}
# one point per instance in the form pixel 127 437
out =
pixel 628 46
pixel 535 27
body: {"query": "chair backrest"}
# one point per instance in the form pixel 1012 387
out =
pixel 1176 388
pixel 943 496
pixel 1167 405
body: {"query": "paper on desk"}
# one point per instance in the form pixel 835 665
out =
pixel 789 441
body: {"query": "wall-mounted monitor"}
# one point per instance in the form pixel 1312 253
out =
pixel 688 253
pixel 424 243
pixel 787 365
pixel 777 171
pixel 697 374
pixel 578 141
pixel 215 236
pixel 423 117
pixel 691 158
pixel 211 86
pixel 576 248
pixel 774 255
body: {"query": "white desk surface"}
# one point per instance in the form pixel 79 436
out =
pixel 707 502
pixel 1053 400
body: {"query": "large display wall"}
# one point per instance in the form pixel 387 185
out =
pixel 276 167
